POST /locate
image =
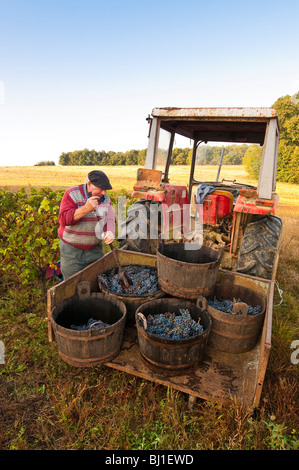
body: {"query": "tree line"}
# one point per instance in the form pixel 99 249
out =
pixel 92 157
pixel 288 150
pixel 208 155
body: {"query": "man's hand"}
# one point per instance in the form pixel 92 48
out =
pixel 108 237
pixel 91 203
pixel 89 206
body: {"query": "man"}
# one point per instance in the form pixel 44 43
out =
pixel 81 209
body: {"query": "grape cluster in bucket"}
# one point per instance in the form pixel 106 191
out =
pixel 144 280
pixel 174 326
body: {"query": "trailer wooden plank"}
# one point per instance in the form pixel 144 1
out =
pixel 220 375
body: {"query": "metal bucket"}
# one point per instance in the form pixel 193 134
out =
pixel 90 347
pixel 132 301
pixel 235 333
pixel 187 273
pixel 171 356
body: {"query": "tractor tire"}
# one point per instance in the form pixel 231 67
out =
pixel 142 242
pixel 259 247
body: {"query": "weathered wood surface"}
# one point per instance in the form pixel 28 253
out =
pixel 220 375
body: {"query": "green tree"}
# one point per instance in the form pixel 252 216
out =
pixel 288 152
pixel 45 163
pixel 216 154
pixel 141 157
pixel 130 157
pixel 102 158
pixel 234 154
pixel 288 163
pixel 64 158
pixel 252 160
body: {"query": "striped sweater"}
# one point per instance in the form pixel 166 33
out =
pixel 82 233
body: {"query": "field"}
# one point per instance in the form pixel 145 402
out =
pixel 61 177
pixel 47 405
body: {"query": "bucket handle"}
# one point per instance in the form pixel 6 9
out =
pixel 103 282
pixel 141 317
pixel 83 289
pixel 94 323
pixel 240 306
pixel 202 302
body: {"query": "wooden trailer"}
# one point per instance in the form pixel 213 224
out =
pixel 219 375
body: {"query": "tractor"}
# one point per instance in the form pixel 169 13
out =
pixel 237 218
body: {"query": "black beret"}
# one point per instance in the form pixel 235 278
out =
pixel 99 179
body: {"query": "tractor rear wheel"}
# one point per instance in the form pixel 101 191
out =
pixel 260 246
pixel 137 230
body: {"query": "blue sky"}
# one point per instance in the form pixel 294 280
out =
pixel 80 74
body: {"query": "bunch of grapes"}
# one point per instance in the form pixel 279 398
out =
pixel 172 326
pixel 144 280
pixel 227 305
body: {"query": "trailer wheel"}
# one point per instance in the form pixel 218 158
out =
pixel 260 246
pixel 137 230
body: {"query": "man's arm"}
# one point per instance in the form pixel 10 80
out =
pixel 89 206
pixel 70 214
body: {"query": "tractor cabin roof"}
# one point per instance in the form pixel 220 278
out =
pixel 240 125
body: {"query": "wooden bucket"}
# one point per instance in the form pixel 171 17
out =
pixel 94 346
pixel 230 332
pixel 187 273
pixel 171 356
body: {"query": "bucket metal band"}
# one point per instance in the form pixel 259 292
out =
pixel 170 368
pixel 83 338
pixel 190 292
pixel 77 360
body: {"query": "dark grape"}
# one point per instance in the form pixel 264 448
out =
pixel 227 305
pixel 144 280
pixel 172 326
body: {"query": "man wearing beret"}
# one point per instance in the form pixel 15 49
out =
pixel 81 209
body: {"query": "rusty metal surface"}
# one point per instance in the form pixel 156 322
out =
pixel 148 180
pixel 249 202
pixel 240 125
pixel 144 174
pixel 239 112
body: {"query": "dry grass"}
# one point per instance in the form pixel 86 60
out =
pixel 124 177
pixel 62 177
